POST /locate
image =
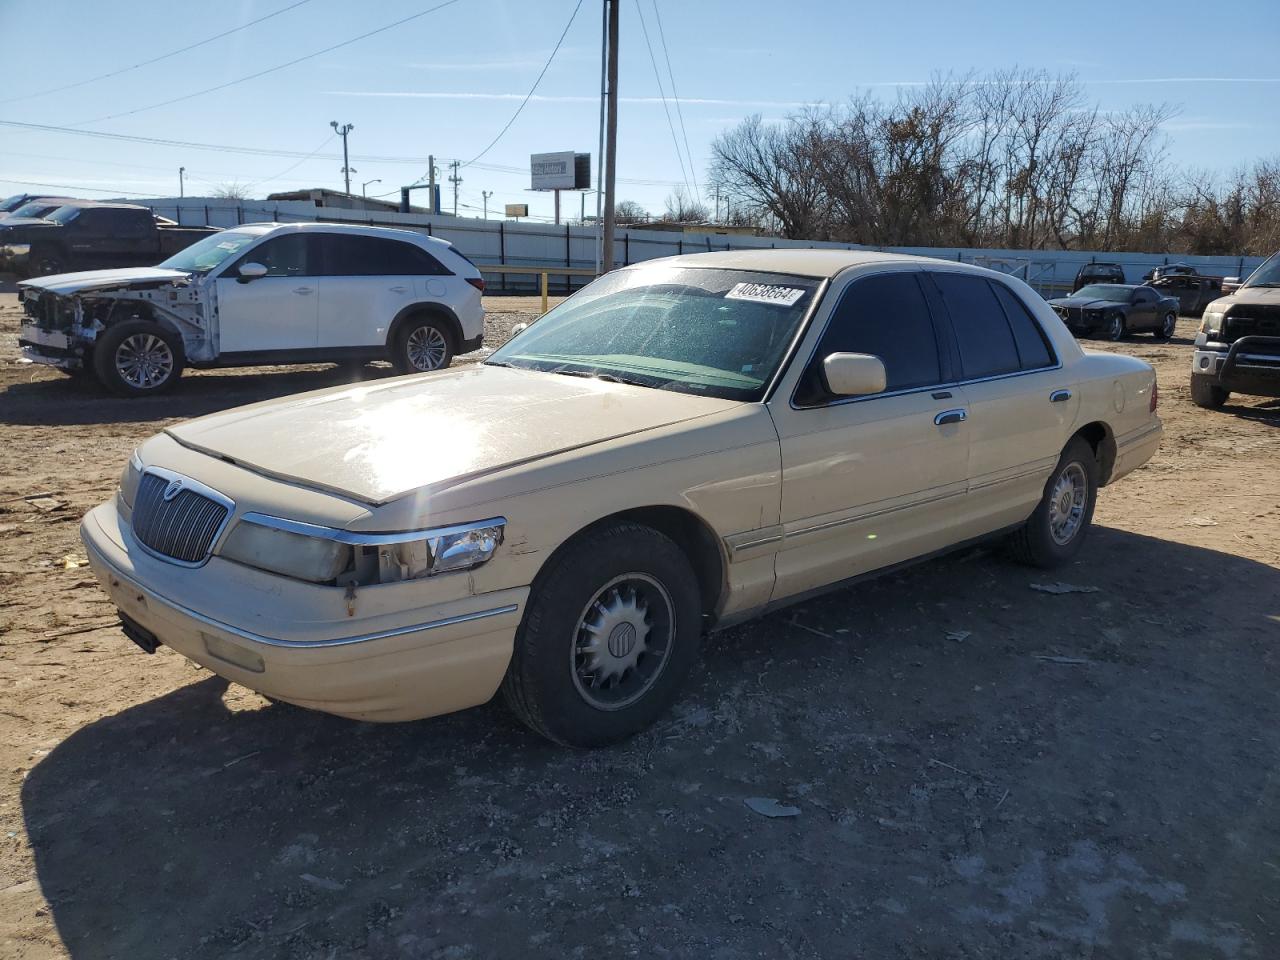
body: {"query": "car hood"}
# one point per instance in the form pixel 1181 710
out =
pixel 1260 295
pixel 66 283
pixel 1084 302
pixel 378 442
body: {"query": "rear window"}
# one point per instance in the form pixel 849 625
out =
pixel 1033 348
pixel 348 255
pixel 986 343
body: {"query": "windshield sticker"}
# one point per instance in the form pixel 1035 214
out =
pixel 765 293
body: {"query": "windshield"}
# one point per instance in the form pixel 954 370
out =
pixel 9 204
pixel 1267 275
pixel 718 333
pixel 1099 270
pixel 37 209
pixel 64 214
pixel 207 254
pixel 1105 291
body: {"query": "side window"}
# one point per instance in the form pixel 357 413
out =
pixel 1033 348
pixel 886 316
pixel 283 256
pixel 356 256
pixel 986 343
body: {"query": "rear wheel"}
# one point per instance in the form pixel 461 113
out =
pixel 610 633
pixel 422 344
pixel 137 358
pixel 45 263
pixel 1054 533
pixel 1167 326
pixel 1206 393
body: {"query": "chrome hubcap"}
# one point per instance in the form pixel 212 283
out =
pixel 1114 329
pixel 144 361
pixel 622 640
pixel 1067 502
pixel 1170 323
pixel 427 348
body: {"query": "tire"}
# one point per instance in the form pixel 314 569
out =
pixel 1206 393
pixel 1054 533
pixel 138 358
pixel 1115 328
pixel 1167 327
pixel 45 263
pixel 421 344
pixel 614 578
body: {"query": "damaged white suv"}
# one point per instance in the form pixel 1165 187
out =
pixel 260 294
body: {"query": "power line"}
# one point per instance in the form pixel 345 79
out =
pixel 287 170
pixel 277 67
pixel 63 186
pixel 532 90
pixel 163 56
pixel 662 35
pixel 662 93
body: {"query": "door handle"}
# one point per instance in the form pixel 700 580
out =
pixel 957 415
pixel 303 290
pixel 1060 396
pixel 399 289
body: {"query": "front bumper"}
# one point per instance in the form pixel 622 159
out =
pixel 49 347
pixel 1250 365
pixel 420 663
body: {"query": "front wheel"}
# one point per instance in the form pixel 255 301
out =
pixel 1114 329
pixel 610 633
pixel 1206 393
pixel 137 358
pixel 1167 326
pixel 422 344
pixel 1054 533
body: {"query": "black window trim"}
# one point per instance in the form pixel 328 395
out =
pixel 950 358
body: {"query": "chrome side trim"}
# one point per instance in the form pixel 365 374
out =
pixel 366 539
pixel 1043 468
pixel 871 514
pixel 1138 436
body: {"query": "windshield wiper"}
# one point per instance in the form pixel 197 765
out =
pixel 607 377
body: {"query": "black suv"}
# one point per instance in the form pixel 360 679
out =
pixel 1098 273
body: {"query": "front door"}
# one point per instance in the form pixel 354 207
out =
pixel 1142 313
pixel 871 481
pixel 1021 408
pixel 278 311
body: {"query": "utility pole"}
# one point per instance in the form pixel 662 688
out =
pixel 365 186
pixel 455 180
pixel 486 194
pixel 611 138
pixel 182 189
pixel 431 184
pixel 342 131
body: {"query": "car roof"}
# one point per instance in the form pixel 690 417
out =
pixel 804 262
pixel 355 229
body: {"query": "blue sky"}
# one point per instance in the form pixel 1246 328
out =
pixel 448 82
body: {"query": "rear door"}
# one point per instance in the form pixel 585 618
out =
pixel 870 481
pixel 1020 405
pixel 367 281
pixel 278 311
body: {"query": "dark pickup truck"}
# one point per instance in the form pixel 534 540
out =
pixel 92 236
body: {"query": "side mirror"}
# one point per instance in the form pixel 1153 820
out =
pixel 853 374
pixel 252 271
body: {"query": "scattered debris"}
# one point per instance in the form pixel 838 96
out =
pixel 1058 587
pixel 1069 661
pixel 74 562
pixel 768 807
pixel 959 636
pixel 44 503
pixel 1201 522
pixel 814 630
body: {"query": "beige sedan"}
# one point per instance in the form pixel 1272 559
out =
pixel 682 445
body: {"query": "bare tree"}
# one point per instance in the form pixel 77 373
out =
pixel 232 190
pixel 628 211
pixel 681 208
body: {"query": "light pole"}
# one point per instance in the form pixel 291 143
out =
pixel 486 194
pixel 182 190
pixel 366 184
pixel 342 131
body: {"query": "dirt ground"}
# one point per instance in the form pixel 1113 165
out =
pixel 981 769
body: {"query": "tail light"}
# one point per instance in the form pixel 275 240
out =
pixel 1155 396
pixel 477 282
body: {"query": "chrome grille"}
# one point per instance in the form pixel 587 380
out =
pixel 182 527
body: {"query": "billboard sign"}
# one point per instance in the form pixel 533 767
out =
pixel 517 209
pixel 552 171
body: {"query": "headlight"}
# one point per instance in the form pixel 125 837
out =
pixel 318 554
pixel 1211 322
pixel 130 479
